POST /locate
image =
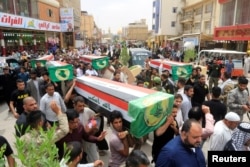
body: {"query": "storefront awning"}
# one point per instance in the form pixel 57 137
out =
pixel 175 38
pixel 199 35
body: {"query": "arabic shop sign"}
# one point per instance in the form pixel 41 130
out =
pixel 239 33
pixel 14 21
pixel 223 1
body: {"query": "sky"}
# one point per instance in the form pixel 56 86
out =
pixel 115 14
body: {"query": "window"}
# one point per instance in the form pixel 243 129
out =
pixel 242 12
pixel 187 27
pixel 209 8
pixel 207 25
pixel 173 24
pixel 197 26
pixel 174 9
pixel 50 13
pixel 227 13
pixel 198 11
pixel 24 11
pixel 153 15
pixel 3 6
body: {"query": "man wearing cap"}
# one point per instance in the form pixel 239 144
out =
pixel 223 130
pixel 157 84
pixel 237 99
pixel 166 84
pixel 240 140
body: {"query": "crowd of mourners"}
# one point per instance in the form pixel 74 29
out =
pixel 200 113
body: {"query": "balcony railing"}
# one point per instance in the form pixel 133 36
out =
pixel 187 18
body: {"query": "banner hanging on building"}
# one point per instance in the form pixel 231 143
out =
pixel 14 21
pixel 67 19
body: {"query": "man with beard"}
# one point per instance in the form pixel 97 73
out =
pixel 237 99
pixel 184 150
pixel 186 104
pixel 29 105
pixel 40 69
pixel 33 86
pixel 165 133
pixel 226 86
pixel 166 84
pixel 86 116
pixel 17 96
pixel 214 74
pixel 193 78
pixel 200 92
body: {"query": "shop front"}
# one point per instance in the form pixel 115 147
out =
pixel 234 37
pixel 19 33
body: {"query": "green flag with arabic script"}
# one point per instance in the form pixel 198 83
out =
pixel 60 72
pixel 100 63
pixel 181 71
pixel 149 112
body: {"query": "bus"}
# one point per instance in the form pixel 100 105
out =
pixel 138 56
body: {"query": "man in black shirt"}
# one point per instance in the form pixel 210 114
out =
pixel 7 81
pixel 217 109
pixel 17 96
pixel 165 133
pixel 7 152
pixel 40 69
pixel 29 105
pixel 166 84
pixel 200 92
pixel 214 74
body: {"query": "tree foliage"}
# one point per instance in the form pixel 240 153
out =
pixel 45 153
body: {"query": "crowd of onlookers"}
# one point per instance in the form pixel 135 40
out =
pixel 200 112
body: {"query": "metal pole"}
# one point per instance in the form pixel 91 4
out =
pixel 199 48
pixel 14 5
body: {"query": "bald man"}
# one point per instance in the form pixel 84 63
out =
pixel 29 105
pixel 187 145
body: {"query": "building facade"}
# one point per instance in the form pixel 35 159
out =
pixel 137 31
pixel 90 33
pixel 199 17
pixel 68 38
pixel 234 26
pixel 165 21
pixel 28 25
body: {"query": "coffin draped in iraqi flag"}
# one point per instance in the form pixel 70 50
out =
pixel 59 71
pixel 144 109
pixel 176 69
pixel 98 62
pixel 42 59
